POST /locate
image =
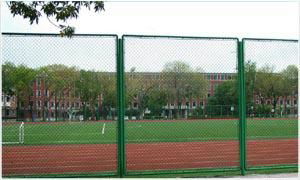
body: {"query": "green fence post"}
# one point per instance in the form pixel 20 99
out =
pixel 120 129
pixel 242 107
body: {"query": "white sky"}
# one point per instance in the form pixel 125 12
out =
pixel 212 19
pixel 233 19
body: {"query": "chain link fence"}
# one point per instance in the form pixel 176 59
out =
pixel 59 105
pixel 271 69
pixel 176 109
pixel 96 105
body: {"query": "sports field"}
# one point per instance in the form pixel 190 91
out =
pixel 104 132
pixel 91 147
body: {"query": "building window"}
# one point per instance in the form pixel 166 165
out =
pixel 7 112
pixel 215 77
pixel 52 104
pixel 229 77
pixel 223 76
pixel 208 76
pixel 39 103
pixel 46 93
pixel 288 101
pixel 135 105
pixel 7 98
pixel 194 104
pixel 281 101
pixel 295 101
pixel 39 93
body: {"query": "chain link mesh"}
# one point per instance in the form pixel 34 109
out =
pixel 64 90
pixel 59 104
pixel 181 103
pixel 271 69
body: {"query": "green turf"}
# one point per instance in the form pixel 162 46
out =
pixel 156 131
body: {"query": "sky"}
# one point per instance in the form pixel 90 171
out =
pixel 204 19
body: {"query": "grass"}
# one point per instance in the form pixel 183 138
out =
pixel 147 131
pixel 151 131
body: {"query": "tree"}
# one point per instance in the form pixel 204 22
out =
pixel 250 78
pixel 182 82
pixel 89 88
pixel 61 11
pixel 157 98
pixel 225 96
pixel 290 82
pixel 7 82
pixel 59 80
pixel 138 87
pixel 269 85
pixel 109 94
pixel 290 78
pixel 22 78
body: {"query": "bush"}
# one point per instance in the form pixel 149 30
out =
pixel 263 110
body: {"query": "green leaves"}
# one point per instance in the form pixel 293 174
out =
pixel 67 31
pixel 28 11
pixel 60 10
pixel 18 80
pixel 183 81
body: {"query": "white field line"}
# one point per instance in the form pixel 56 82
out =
pixel 21 133
pixel 10 142
pixel 103 128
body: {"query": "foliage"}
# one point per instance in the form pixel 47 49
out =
pixel 250 79
pixel 60 10
pixel 183 82
pixel 290 79
pixel 7 78
pixel 157 99
pixel 263 110
pixel 22 78
pixel 225 94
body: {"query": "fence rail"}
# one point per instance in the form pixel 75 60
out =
pixel 99 105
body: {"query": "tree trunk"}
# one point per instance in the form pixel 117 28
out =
pixel 30 109
pixel 56 113
pixel 5 109
pixel 84 111
pixel 18 108
pixel 275 100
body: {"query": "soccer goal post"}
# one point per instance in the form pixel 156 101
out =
pixel 13 133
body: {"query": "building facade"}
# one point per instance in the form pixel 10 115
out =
pixel 44 105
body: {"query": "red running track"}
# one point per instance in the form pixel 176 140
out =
pixel 88 158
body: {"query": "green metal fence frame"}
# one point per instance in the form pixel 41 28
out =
pixel 181 171
pixel 242 108
pixel 242 57
pixel 121 144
